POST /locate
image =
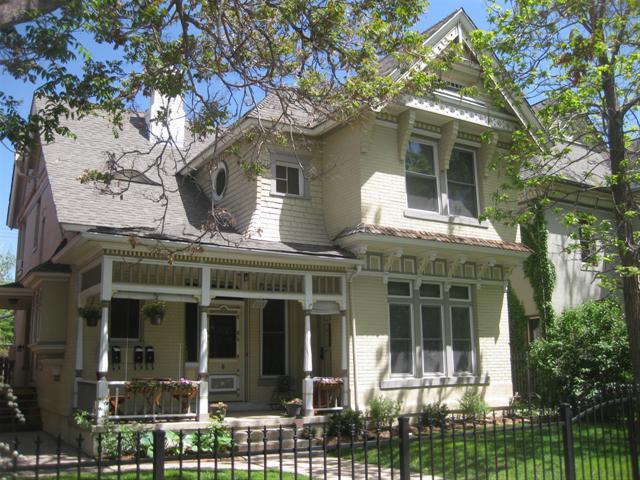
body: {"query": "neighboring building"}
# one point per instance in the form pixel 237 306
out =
pixel 359 260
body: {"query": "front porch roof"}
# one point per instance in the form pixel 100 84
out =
pixel 14 296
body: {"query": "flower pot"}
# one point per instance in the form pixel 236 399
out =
pixel 156 319
pixel 91 321
pixel 294 410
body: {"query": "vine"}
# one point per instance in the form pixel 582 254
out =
pixel 537 267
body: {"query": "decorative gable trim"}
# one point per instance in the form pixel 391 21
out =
pixel 449 133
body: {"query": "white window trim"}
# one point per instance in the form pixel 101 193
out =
pixel 472 332
pixel 413 339
pixel 286 342
pixel 443 342
pixel 436 166
pixel 221 166
pixel 475 177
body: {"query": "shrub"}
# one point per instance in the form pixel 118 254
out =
pixel 473 406
pixel 434 415
pixel 584 352
pixel 344 422
pixel 383 411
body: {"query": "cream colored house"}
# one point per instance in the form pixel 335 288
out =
pixel 357 262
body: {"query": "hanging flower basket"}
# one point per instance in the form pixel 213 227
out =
pixel 154 311
pixel 91 314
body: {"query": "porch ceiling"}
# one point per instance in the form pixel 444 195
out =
pixel 15 297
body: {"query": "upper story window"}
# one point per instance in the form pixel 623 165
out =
pixel 587 242
pixel 425 182
pixel 422 177
pixel 220 181
pixel 288 179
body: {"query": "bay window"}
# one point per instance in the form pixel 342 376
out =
pixel 461 184
pixel 422 177
pixel 401 339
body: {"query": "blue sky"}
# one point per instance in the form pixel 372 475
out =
pixel 8 238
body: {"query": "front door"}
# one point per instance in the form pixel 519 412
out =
pixel 325 347
pixel 226 356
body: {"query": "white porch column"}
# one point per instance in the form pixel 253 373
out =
pixel 344 358
pixel 307 383
pixel 102 387
pixel 203 350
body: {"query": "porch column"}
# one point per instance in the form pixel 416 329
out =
pixel 344 358
pixel 307 383
pixel 102 387
pixel 203 350
pixel 79 357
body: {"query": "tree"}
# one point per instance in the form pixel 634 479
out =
pixel 7 318
pixel 582 58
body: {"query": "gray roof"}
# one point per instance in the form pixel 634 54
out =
pixel 139 210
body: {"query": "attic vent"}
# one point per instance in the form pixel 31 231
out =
pixel 134 176
pixel 453 87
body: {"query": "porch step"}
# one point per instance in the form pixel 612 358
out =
pixel 28 404
pixel 275 439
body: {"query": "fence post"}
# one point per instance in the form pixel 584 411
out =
pixel 633 438
pixel 403 435
pixel 567 438
pixel 158 454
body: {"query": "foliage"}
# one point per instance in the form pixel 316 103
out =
pixel 473 406
pixel 538 267
pixel 345 422
pixel 582 59
pixel 7 317
pixel 518 323
pixel 434 415
pixel 9 400
pixel 584 352
pixel 90 311
pixel 154 308
pixel 382 411
pixel 82 418
pixel 216 438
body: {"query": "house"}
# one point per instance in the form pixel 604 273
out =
pixel 357 263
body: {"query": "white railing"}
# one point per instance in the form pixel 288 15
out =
pixel 153 400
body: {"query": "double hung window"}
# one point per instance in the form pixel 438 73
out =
pixel 431 330
pixel 453 192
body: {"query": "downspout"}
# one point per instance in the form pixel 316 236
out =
pixel 353 337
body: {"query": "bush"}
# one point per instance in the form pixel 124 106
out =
pixel 434 415
pixel 345 422
pixel 383 411
pixel 585 352
pixel 473 406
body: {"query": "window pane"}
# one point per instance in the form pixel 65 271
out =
pixel 221 181
pixel 400 289
pixel 462 356
pixel 419 158
pixel 125 318
pixel 293 180
pixel 461 167
pixel 222 340
pixel 281 172
pixel 460 323
pixel 400 338
pixel 462 200
pixel 281 186
pixel 274 338
pixel 459 292
pixel 430 290
pixel 422 193
pixel 432 339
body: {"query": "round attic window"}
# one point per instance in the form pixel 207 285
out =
pixel 220 180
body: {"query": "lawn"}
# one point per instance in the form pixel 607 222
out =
pixel 185 475
pixel 510 453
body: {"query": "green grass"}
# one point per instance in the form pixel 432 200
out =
pixel 186 475
pixel 518 454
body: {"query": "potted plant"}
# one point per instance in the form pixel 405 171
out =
pixel 218 409
pixel 293 407
pixel 154 311
pixel 91 313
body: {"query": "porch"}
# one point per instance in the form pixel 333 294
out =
pixel 249 337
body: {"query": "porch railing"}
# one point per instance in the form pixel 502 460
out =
pixel 327 393
pixel 153 400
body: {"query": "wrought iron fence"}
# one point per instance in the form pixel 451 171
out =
pixel 593 440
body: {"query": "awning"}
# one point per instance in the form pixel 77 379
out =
pixel 14 296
